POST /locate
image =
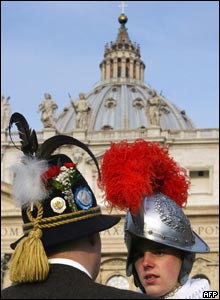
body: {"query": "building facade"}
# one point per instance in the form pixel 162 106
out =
pixel 123 107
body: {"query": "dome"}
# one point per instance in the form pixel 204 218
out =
pixel 122 100
pixel 127 106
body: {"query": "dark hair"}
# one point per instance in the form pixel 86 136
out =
pixel 63 247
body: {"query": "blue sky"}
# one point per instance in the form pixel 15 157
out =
pixel 57 46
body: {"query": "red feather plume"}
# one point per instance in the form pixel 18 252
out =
pixel 133 171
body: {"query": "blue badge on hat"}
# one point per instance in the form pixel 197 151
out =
pixel 83 197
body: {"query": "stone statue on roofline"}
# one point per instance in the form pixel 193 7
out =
pixel 82 108
pixel 48 108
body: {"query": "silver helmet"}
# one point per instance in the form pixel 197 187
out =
pixel 144 179
pixel 161 220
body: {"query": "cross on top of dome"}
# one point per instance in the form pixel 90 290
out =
pixel 122 5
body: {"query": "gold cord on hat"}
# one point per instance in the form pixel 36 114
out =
pixel 29 261
pixel 63 219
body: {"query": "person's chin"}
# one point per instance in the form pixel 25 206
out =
pixel 154 291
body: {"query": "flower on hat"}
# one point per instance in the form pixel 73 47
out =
pixel 62 178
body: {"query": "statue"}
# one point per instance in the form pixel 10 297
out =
pixel 82 109
pixel 48 108
pixel 153 109
pixel 5 112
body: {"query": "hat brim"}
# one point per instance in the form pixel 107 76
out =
pixel 74 230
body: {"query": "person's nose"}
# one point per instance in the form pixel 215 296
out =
pixel 148 259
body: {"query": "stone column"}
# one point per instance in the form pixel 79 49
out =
pixel 142 72
pixel 131 73
pixel 123 67
pixel 137 70
pixel 115 67
pixel 107 69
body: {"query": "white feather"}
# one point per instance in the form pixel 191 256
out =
pixel 28 186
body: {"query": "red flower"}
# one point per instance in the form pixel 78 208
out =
pixel 69 165
pixel 52 172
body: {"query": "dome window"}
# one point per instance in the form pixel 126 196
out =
pixel 107 127
pixel 138 103
pixel 110 103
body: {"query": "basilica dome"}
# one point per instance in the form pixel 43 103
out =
pixel 122 100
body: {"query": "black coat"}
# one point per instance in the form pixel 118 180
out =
pixel 66 282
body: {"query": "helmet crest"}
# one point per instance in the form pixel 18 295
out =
pixel 131 172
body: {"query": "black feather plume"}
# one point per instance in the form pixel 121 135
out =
pixel 51 144
pixel 29 143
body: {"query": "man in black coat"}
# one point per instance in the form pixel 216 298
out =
pixel 59 255
pixel 71 276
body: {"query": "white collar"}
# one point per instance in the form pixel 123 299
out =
pixel 69 262
pixel 192 289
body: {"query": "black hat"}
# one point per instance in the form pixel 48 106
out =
pixel 57 203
